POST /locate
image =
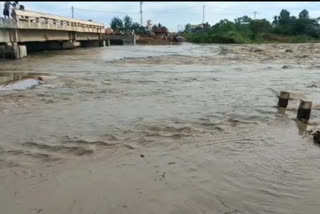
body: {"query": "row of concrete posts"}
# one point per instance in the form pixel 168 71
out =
pixel 304 111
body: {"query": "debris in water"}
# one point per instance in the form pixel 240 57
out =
pixel 38 210
pixel 256 50
pixel 20 85
pixel 163 175
pixel 142 156
pixel 312 86
pixel 316 137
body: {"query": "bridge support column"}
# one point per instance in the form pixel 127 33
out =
pixel 13 51
pixel 131 40
pixel 102 43
pixel 70 45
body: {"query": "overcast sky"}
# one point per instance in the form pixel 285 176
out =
pixel 171 14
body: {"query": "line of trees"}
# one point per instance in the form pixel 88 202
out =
pixel 127 25
pixel 284 28
pixel 159 29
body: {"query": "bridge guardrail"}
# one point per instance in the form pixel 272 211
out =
pixel 34 20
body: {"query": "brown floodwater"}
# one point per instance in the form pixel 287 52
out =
pixel 160 129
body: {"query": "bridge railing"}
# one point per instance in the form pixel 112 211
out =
pixel 34 20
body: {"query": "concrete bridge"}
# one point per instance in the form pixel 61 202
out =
pixel 32 31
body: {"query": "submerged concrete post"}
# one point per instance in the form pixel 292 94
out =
pixel 304 111
pixel 283 99
pixel 13 51
pixel 134 40
pixel 70 45
pixel 102 43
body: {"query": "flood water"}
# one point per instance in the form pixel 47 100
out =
pixel 203 116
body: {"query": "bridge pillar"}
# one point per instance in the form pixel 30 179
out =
pixel 102 43
pixel 70 45
pixel 13 51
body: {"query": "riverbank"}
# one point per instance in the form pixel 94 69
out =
pixel 156 40
pixel 238 38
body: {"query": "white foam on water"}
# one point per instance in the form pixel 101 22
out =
pixel 20 85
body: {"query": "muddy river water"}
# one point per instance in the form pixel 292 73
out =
pixel 160 129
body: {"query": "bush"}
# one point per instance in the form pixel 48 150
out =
pixel 285 28
pixel 301 39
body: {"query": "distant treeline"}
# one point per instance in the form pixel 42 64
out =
pixel 127 25
pixel 284 28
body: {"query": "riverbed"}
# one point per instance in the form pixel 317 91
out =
pixel 160 129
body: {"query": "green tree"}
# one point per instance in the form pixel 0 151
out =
pixel 284 17
pixel 116 24
pixel 284 28
pixel 304 14
pixel 243 19
pixel 154 28
pixel 306 26
pixel 224 26
pixel 284 23
pixel 127 23
pixel 187 28
pixel 135 26
pixel 260 26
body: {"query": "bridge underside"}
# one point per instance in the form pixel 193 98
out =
pixel 120 39
pixel 16 43
pixel 28 40
pixel 31 31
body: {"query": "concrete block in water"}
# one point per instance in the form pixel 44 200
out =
pixel 304 111
pixel 283 99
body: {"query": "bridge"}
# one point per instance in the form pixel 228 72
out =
pixel 33 31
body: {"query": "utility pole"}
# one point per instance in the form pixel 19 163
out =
pixel 141 22
pixel 255 13
pixel 203 14
pixel 72 11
